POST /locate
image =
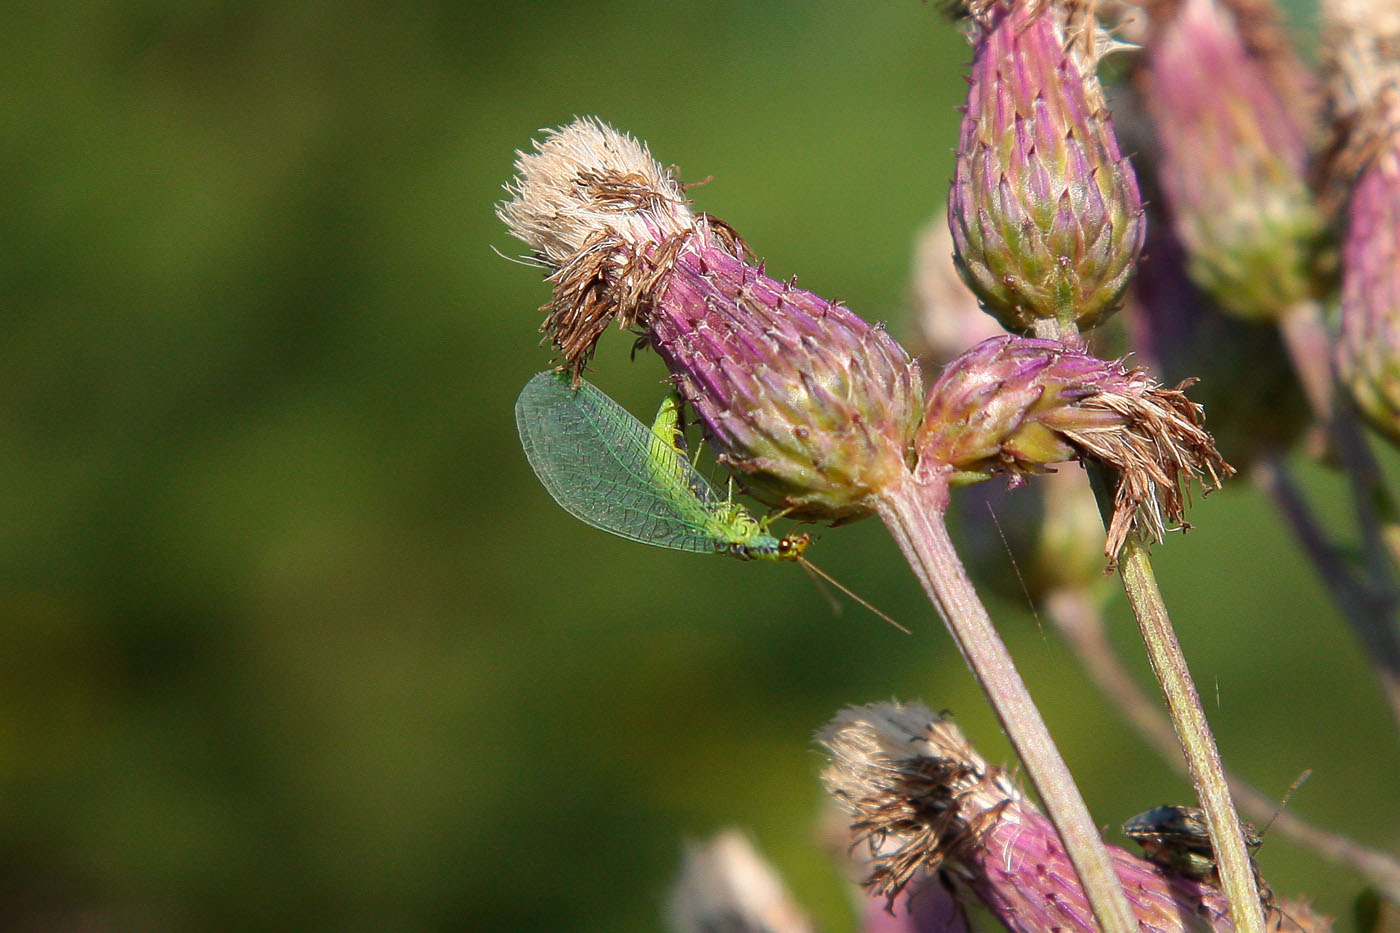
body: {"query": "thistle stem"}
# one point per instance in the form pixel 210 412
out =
pixel 1077 617
pixel 1309 347
pixel 914 514
pixel 1188 719
pixel 1377 514
pixel 1197 742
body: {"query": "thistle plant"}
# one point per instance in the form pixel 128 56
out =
pixel 819 414
pixel 824 417
pixel 814 408
pixel 925 804
pixel 1052 526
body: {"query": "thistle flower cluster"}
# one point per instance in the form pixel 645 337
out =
pixel 823 415
pixel 818 411
pixel 924 803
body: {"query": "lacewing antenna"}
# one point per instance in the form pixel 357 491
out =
pixel 812 568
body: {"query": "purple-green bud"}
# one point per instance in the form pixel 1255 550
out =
pixel 1232 160
pixel 925 802
pixel 1364 97
pixel 1368 352
pixel 1017 405
pixel 1045 210
pixel 815 408
pixel 1247 386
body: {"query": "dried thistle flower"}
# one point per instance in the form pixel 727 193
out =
pixel 814 407
pixel 1017 405
pixel 1045 209
pixel 726 885
pixel 1233 153
pixel 924 803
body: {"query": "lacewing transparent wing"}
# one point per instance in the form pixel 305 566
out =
pixel 611 471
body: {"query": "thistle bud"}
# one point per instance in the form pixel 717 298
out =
pixel 1045 210
pixel 925 803
pixel 1018 405
pixel 1232 155
pixel 812 406
pixel 1368 353
pixel 1365 95
pixel 1247 384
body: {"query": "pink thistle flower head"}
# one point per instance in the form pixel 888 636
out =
pixel 1045 209
pixel 814 408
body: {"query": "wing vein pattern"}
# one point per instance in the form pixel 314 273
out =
pixel 609 470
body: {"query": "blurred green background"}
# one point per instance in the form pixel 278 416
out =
pixel 292 638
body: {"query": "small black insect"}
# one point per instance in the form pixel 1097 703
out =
pixel 1177 839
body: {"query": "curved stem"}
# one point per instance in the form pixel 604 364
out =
pixel 1377 514
pixel 1369 612
pixel 914 513
pixel 1080 623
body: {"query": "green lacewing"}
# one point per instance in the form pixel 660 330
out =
pixel 611 471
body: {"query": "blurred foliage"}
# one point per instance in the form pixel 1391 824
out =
pixel 292 637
